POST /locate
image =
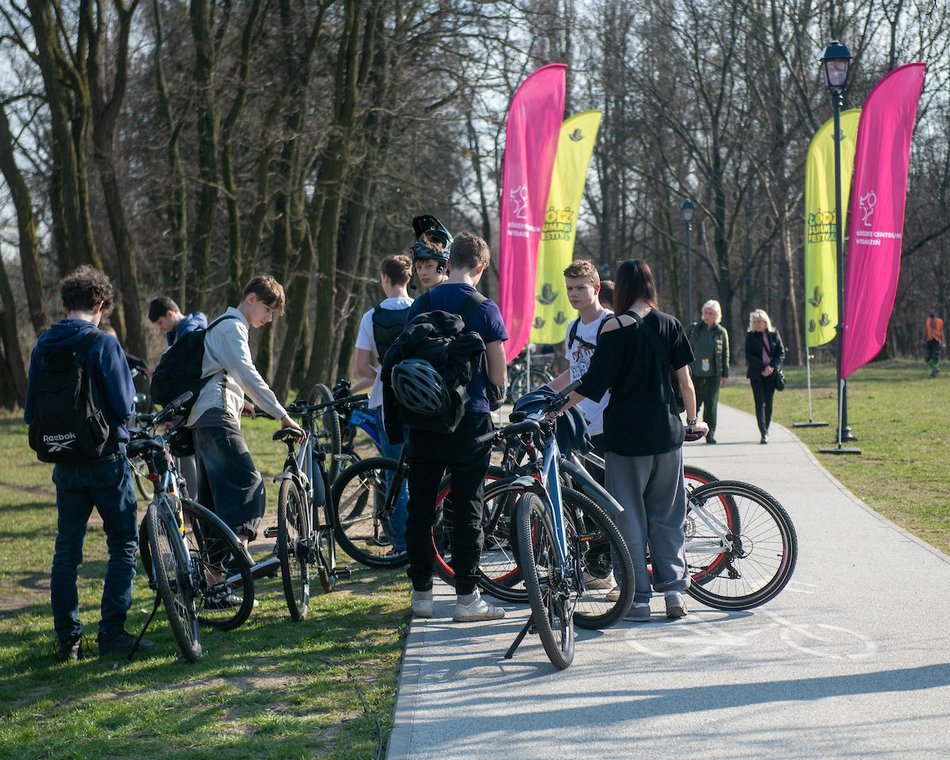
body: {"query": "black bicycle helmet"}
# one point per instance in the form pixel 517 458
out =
pixel 434 232
pixel 570 429
pixel 419 388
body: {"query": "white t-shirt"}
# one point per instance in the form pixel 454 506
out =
pixel 367 342
pixel 579 356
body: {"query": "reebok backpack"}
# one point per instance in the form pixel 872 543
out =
pixel 179 369
pixel 68 426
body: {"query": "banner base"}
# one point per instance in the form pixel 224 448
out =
pixel 809 424
pixel 840 450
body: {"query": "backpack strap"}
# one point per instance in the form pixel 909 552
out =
pixel 572 334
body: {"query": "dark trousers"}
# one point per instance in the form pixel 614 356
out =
pixel 707 397
pixel 430 454
pixel 933 353
pixel 763 391
pixel 228 482
pixel 107 487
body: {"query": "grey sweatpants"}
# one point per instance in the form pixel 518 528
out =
pixel 652 493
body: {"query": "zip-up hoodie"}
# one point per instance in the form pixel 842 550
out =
pixel 107 368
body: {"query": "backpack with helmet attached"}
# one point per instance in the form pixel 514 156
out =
pixel 179 369
pixel 426 370
pixel 69 425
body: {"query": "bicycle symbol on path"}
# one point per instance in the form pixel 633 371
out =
pixel 704 638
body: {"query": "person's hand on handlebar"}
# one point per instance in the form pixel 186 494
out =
pixel 288 424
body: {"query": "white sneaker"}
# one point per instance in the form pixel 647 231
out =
pixel 593 583
pixel 476 609
pixel 422 603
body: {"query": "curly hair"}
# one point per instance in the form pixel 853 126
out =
pixel 84 287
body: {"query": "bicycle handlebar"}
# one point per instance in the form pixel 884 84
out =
pixel 148 419
pixel 508 431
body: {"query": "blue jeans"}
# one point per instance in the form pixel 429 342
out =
pixel 397 520
pixel 107 486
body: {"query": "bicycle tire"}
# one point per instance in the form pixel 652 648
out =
pixel 172 572
pixel 697 476
pixel 763 555
pixel 360 496
pixel 526 381
pixel 601 551
pixel 294 549
pixel 226 583
pixel 551 611
pixel 327 429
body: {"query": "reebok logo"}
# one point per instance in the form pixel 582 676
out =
pixel 59 442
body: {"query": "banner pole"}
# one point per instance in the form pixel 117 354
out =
pixel 811 422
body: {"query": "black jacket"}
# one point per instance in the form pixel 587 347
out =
pixel 753 352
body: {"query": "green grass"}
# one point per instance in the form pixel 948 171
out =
pixel 902 424
pixel 271 689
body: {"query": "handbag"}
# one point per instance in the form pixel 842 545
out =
pixel 779 380
pixel 673 386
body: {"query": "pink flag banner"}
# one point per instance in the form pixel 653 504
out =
pixel 534 123
pixel 878 196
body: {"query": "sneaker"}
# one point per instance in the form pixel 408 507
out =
pixel 70 649
pixel 593 583
pixel 675 605
pixel 613 595
pixel 422 603
pixel 476 609
pixel 638 613
pixel 121 642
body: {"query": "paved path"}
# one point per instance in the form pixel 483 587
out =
pixel 851 660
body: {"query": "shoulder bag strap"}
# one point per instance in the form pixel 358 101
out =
pixel 665 381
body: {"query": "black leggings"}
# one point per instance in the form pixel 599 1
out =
pixel 763 391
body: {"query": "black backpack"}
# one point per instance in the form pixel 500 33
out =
pixel 388 324
pixel 179 369
pixel 68 424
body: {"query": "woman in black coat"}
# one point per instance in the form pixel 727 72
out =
pixel 765 353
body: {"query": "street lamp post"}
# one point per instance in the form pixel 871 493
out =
pixel 687 211
pixel 836 62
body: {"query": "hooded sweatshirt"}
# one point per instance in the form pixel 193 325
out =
pixel 108 371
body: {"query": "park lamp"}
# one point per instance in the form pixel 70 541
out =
pixel 837 64
pixel 688 211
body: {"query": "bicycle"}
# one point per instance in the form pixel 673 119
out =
pixel 193 560
pixel 522 380
pixel 304 541
pixel 556 546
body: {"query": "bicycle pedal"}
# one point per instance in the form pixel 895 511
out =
pixel 342 572
pixel 270 532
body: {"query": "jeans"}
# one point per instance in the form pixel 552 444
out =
pixel 467 462
pixel 652 493
pixel 228 482
pixel 107 486
pixel 763 391
pixel 707 397
pixel 400 515
pixel 933 355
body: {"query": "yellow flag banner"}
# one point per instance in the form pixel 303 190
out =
pixel 821 266
pixel 552 310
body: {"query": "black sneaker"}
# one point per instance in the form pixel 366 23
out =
pixel 70 649
pixel 121 642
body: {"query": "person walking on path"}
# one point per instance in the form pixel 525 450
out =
pixel 935 339
pixel 102 481
pixel 643 433
pixel 764 354
pixel 710 343
pixel 431 453
pixel 229 483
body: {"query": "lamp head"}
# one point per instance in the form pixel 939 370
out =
pixel 687 210
pixel 837 64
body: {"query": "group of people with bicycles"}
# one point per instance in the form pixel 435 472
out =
pixel 623 365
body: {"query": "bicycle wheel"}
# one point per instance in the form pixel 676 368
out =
pixel 526 381
pixel 327 429
pixel 294 548
pixel 551 598
pixel 696 476
pixel 602 556
pixel 222 569
pixel 173 576
pixel 751 555
pixel 363 499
